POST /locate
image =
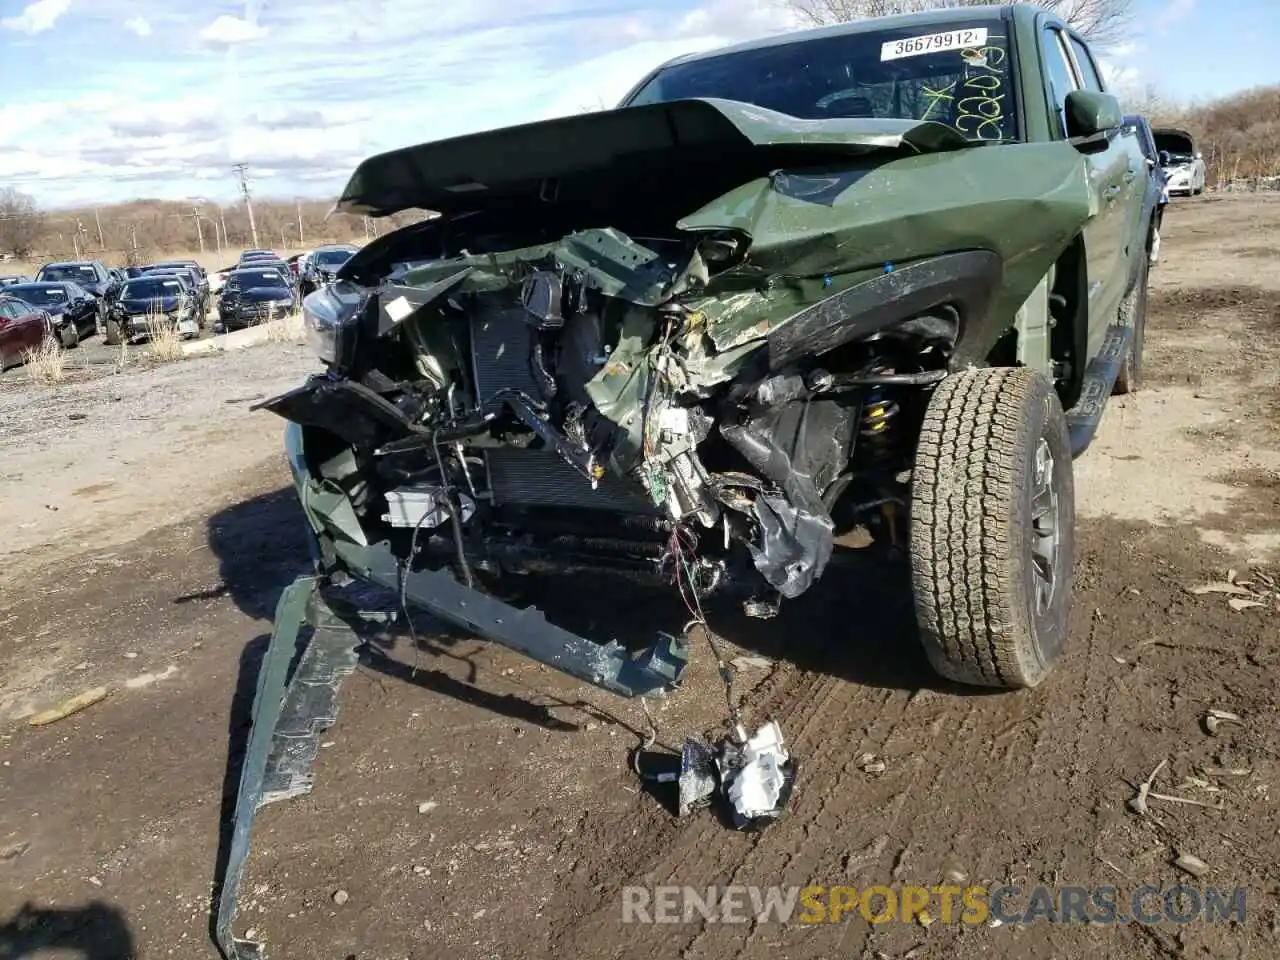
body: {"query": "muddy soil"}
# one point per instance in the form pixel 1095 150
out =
pixel 533 824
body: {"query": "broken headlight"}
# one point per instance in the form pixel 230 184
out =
pixel 326 311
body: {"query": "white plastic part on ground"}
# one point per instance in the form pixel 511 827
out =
pixel 756 773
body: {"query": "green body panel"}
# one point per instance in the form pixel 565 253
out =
pixel 1024 202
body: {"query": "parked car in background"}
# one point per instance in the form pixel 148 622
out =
pixel 255 295
pixel 323 264
pixel 1185 163
pixel 93 275
pixel 14 278
pixel 258 255
pixel 156 298
pixel 219 277
pixel 194 283
pixel 295 262
pixel 22 327
pixel 72 309
pixel 197 271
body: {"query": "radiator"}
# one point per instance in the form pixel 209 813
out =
pixel 501 351
pixel 540 478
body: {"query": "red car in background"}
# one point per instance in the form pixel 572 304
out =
pixel 22 327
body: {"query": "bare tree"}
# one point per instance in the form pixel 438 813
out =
pixel 1101 22
pixel 21 222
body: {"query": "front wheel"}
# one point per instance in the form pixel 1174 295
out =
pixel 992 528
pixel 69 336
pixel 112 336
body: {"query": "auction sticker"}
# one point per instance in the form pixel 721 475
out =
pixel 933 43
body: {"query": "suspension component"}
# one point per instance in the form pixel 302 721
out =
pixel 876 424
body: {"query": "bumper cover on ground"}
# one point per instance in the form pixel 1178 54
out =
pixel 290 713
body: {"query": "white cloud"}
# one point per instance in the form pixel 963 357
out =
pixel 229 31
pixel 37 17
pixel 340 80
pixel 139 25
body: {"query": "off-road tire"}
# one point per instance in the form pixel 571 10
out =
pixel 1133 314
pixel 111 334
pixel 972 570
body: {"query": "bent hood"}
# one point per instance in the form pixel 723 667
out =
pixel 569 157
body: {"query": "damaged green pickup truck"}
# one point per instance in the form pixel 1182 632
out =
pixel 881 275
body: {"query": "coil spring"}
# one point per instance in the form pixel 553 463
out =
pixel 876 424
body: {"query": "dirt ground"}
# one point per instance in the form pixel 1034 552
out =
pixel 150 530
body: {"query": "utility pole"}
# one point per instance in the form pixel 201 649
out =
pixel 98 220
pixel 301 242
pixel 222 219
pixel 242 171
pixel 195 215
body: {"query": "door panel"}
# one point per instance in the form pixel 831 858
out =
pixel 7 317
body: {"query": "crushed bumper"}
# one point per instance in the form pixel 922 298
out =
pixel 290 713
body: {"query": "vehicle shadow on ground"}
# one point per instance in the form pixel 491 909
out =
pixel 96 931
pixel 856 623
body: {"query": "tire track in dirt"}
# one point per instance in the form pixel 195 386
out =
pixel 790 850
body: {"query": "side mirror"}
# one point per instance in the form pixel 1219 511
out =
pixel 1165 159
pixel 1090 113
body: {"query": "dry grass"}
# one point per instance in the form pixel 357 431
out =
pixel 165 340
pixel 46 364
pixel 288 329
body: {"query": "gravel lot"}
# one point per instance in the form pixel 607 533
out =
pixel 151 529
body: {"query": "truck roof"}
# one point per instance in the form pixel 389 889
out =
pixel 927 18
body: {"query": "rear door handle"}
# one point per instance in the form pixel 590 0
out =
pixel 1130 174
pixel 1111 192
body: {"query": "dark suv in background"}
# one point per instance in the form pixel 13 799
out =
pixel 322 265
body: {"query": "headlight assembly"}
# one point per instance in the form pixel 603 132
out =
pixel 326 311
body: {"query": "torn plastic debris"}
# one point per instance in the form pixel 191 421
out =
pixel 756 776
pixel 698 776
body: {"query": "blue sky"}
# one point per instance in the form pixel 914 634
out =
pixel 107 100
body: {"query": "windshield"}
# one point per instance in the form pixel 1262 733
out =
pixel 40 296
pixel 331 258
pixel 955 74
pixel 82 273
pixel 149 287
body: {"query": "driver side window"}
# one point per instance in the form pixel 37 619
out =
pixel 1061 79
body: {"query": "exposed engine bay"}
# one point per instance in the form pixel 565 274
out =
pixel 569 406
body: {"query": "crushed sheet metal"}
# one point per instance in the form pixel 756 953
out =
pixel 288 718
